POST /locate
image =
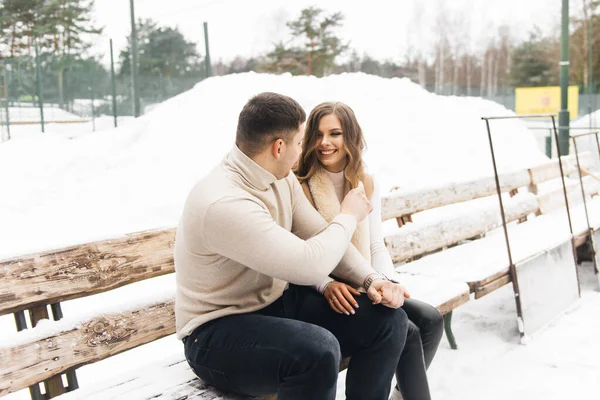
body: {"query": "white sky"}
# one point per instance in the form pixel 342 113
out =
pixel 382 28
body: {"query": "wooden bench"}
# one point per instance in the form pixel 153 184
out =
pixel 34 282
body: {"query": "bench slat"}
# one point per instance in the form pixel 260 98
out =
pixel 418 239
pixel 95 339
pixel 400 203
pixel 78 271
pixel 551 170
pixel 481 262
pixel 555 200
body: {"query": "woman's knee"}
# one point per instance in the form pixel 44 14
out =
pixel 425 316
pixel 396 321
pixel 432 322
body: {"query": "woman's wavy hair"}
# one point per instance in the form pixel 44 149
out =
pixel 354 142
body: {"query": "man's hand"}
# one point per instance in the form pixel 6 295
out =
pixel 388 293
pixel 340 297
pixel 356 203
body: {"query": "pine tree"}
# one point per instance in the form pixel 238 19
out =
pixel 163 54
pixel 533 62
pixel 314 45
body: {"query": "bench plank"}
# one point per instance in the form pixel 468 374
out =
pixel 35 360
pixel 83 270
pixel 480 262
pixel 401 202
pixel 416 239
pixel 551 170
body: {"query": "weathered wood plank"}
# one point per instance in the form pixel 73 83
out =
pixel 400 203
pixel 555 200
pixel 501 273
pixel 451 304
pixel 490 287
pixel 53 385
pixel 550 170
pixel 416 239
pixel 96 339
pixel 78 271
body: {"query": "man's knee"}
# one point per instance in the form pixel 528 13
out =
pixel 317 348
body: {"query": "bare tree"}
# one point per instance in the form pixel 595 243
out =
pixel 442 42
pixel 416 36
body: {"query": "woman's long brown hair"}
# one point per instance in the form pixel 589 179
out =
pixel 354 142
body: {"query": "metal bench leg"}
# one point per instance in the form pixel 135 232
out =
pixel 448 329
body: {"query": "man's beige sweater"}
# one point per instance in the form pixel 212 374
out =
pixel 244 235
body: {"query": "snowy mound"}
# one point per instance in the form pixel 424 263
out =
pixel 59 192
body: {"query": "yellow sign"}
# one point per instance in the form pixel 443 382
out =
pixel 545 100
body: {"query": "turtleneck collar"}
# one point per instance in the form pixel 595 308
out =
pixel 255 175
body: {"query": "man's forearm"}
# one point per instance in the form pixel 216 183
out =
pixel 353 267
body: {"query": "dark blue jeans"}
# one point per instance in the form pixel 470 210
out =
pixel 293 348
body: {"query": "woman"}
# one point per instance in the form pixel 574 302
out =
pixel 330 165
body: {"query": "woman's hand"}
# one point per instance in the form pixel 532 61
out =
pixel 341 297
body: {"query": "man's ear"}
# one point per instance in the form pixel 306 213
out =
pixel 276 148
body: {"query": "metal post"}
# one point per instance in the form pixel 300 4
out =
pixel 587 218
pixel 134 64
pixel 6 98
pixel 40 92
pixel 207 58
pixel 591 50
pixel 92 93
pixel 114 86
pixel 511 265
pixel 590 90
pixel 562 176
pixel 563 114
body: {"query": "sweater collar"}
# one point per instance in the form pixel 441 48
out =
pixel 255 175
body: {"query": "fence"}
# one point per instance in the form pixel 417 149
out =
pixel 47 89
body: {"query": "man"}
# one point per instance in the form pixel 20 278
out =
pixel 248 239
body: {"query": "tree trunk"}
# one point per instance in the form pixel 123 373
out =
pixel 12 41
pixel 436 83
pixel 422 76
pixel 455 78
pixel 61 98
pixel 495 76
pixel 483 72
pixel 490 67
pixel 442 66
pixel 468 75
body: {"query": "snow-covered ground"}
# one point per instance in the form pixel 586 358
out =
pixel 60 190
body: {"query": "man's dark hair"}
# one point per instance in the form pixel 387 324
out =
pixel 265 118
